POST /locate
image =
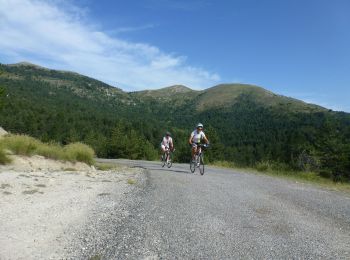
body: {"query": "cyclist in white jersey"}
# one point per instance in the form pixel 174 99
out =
pixel 167 143
pixel 197 136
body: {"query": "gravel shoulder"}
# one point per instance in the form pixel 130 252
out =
pixel 54 210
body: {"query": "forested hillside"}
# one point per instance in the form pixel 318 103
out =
pixel 246 124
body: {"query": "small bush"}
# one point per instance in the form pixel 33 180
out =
pixel 79 152
pixel 4 159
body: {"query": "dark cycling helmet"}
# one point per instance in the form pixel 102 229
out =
pixel 199 125
pixel 168 133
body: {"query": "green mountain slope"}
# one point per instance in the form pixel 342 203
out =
pixel 226 95
pixel 246 124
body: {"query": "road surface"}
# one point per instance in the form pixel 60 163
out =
pixel 225 214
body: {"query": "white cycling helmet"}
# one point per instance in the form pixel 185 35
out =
pixel 199 125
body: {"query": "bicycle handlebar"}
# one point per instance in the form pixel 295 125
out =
pixel 202 145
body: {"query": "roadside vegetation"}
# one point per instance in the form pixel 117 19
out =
pixel 28 146
pixel 284 171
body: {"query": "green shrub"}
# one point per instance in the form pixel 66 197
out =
pixel 79 152
pixel 4 159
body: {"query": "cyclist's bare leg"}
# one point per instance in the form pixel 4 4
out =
pixel 194 151
pixel 163 149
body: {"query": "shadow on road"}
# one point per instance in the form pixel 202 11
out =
pixel 160 169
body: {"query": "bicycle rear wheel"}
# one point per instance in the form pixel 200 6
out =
pixel 201 165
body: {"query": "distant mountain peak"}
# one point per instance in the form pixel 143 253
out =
pixel 27 64
pixel 177 89
pixel 165 92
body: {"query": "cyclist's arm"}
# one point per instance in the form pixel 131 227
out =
pixel 190 140
pixel 205 139
pixel 171 144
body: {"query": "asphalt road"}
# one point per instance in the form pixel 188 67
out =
pixel 226 214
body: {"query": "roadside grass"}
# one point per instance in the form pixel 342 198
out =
pixel 283 171
pixel 29 146
pixel 224 164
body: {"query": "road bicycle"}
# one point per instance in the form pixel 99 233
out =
pixel 198 161
pixel 167 157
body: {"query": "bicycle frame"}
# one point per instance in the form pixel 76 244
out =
pixel 166 158
pixel 199 161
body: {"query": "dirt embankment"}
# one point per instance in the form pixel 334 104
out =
pixel 45 204
pixel 2 131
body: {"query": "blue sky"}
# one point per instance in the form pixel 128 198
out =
pixel 291 47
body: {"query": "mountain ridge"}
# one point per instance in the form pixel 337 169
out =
pixel 221 95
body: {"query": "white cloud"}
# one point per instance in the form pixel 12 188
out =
pixel 131 29
pixel 40 31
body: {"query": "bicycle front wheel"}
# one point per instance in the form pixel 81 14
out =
pixel 201 165
pixel 169 161
pixel 163 159
pixel 192 166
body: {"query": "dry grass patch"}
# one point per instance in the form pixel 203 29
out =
pixel 70 169
pixel 4 159
pixel 105 166
pixel 30 191
pixel 131 181
pixel 5 185
pixel 41 185
pixel 28 146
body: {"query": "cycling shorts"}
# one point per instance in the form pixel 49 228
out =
pixel 164 148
